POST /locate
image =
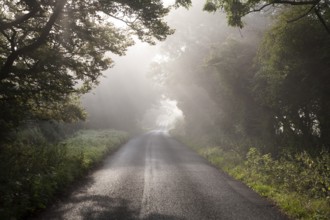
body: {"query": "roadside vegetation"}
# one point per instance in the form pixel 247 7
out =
pixel 52 53
pixel 34 169
pixel 258 106
pixel 267 86
pixel 298 183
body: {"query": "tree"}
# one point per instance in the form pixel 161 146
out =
pixel 242 120
pixel 52 51
pixel 236 9
pixel 208 102
pixel 293 79
pixel 181 71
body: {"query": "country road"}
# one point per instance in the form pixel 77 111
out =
pixel 155 177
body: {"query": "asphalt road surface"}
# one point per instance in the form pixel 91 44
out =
pixel 155 177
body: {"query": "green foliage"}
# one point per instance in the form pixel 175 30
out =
pixel 221 158
pixel 236 10
pixel 241 119
pixel 293 80
pixel 33 170
pixel 54 51
pixel 210 6
pixel 184 3
pixel 274 95
pixel 299 172
pixel 298 183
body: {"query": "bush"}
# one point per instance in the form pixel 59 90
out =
pixel 299 173
pixel 298 182
pixel 34 170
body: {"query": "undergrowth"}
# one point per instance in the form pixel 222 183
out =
pixel 297 182
pixel 33 170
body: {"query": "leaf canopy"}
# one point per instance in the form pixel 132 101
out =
pixel 54 50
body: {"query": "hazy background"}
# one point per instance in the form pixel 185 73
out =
pixel 146 86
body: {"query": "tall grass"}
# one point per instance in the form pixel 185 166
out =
pixel 297 182
pixel 33 170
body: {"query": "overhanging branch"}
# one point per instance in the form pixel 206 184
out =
pixel 319 16
pixel 314 2
pixel 5 70
pixel 303 15
pixel 259 9
pixel 35 7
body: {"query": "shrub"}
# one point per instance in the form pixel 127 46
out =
pixel 298 182
pixel 34 170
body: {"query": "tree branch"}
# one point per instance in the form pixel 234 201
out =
pixel 128 23
pixel 5 70
pixel 35 7
pixel 259 9
pixel 313 2
pixel 319 16
pixel 10 39
pixel 303 15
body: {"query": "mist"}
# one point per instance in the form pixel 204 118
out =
pixel 154 86
pixel 93 126
pixel 124 93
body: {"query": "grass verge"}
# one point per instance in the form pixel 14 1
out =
pixel 34 171
pixel 298 183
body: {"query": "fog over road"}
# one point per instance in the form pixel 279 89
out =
pixel 155 177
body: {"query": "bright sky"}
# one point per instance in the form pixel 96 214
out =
pixel 168 2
